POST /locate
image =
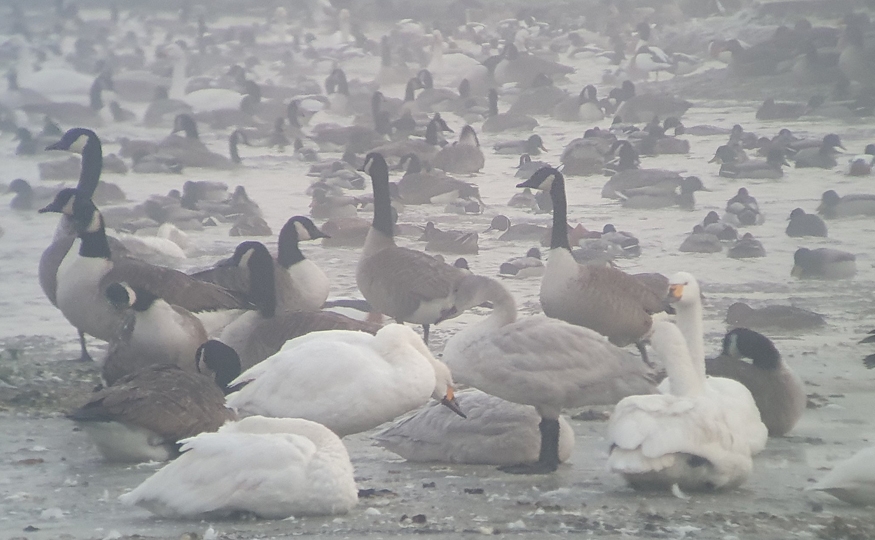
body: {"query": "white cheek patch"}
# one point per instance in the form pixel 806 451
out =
pixel 68 208
pixel 132 296
pixel 303 233
pixel 96 223
pixel 367 167
pixel 548 182
pixel 79 144
pixel 244 260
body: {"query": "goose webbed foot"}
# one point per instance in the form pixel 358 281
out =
pixel 84 356
pixel 643 350
pixel 548 459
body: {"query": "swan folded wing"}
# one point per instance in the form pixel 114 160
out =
pixel 174 286
pixel 576 365
pixel 222 473
pixel 657 426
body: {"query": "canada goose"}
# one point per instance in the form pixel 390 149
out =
pixel 188 149
pixel 392 371
pixel 523 67
pixel 822 157
pixel 604 299
pixel 505 357
pixel 823 263
pixel 153 332
pixel 425 149
pixel 525 198
pixel 523 267
pixel 700 241
pixel 88 268
pixel 540 98
pixel 275 468
pixel 530 147
pixel 87 143
pixel 401 283
pixel 643 107
pixel 463 156
pixel 777 390
pixel 742 210
pixel 451 242
pixel 740 314
pixel 143 415
pixel 497 122
pixel 663 196
pixel 494 432
pixel 424 187
pixel 585 156
pixel 520 231
pixel 305 288
pixel 747 247
pixel 832 206
pixel 774 110
pixel 852 480
pixel 581 108
pixel 684 438
pixel 527 167
pixel 855 60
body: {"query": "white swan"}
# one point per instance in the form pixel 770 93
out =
pixel 205 99
pixel 271 467
pixel 495 432
pixel 682 438
pixel 546 363
pixel 685 294
pixel 348 381
pixel 852 480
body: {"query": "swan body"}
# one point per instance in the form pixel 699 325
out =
pixel 682 438
pixel 348 381
pixel 853 480
pixel 538 361
pixel 495 432
pixel 271 467
pixel 744 417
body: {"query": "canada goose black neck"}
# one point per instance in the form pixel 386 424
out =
pixel 409 91
pixel 749 344
pixel 261 279
pixel 296 229
pixel 233 140
pixel 144 300
pixel 559 235
pixel 95 100
pixel 87 143
pixel 221 359
pixel 493 102
pixel 187 124
pixel 375 166
pixel 431 132
pixel 91 230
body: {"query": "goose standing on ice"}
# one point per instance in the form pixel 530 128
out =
pixel 346 380
pixel 405 284
pixel 681 438
pixel 271 467
pixel 604 299
pixel 538 361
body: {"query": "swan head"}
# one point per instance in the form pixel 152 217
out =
pixel 683 289
pixel 443 388
pixel 473 290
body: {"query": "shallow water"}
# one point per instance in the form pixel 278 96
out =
pixel 72 479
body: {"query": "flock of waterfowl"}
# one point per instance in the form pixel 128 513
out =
pixel 247 375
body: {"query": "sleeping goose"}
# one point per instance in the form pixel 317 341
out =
pixel 274 468
pixel 494 432
pixel 405 284
pixel 791 318
pixel 523 267
pixel 379 377
pixel 538 361
pixel 497 122
pixel 604 299
pixel 463 156
pixel 305 289
pixel 777 390
pixel 153 332
pixel 143 415
pixel 189 150
pixel 852 480
pixel 682 438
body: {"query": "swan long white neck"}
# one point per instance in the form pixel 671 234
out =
pixel 178 78
pixel 681 367
pixel 689 321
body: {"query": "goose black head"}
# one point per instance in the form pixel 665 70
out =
pixel 743 342
pixel 299 228
pixel 221 359
pixel 542 179
pixel 63 203
pixel 123 296
pixel 184 122
pixel 374 164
